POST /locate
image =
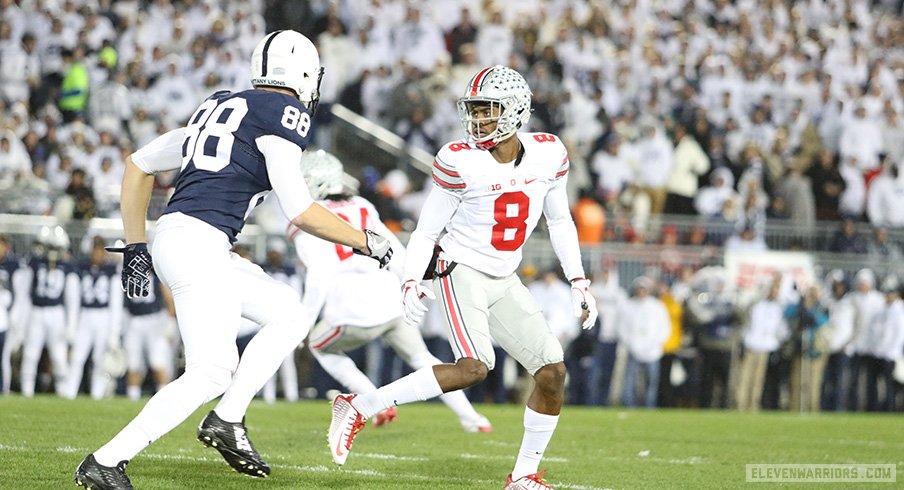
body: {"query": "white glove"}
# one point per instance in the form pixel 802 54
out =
pixel 414 307
pixel 582 300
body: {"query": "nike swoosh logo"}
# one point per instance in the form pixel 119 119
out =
pixel 528 181
pixel 339 448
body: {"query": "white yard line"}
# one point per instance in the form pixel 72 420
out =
pixel 322 468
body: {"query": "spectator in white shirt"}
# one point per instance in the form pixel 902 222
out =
pixel 613 171
pixel 495 42
pixel 840 333
pixel 611 299
pixel 710 200
pixel 644 329
pixel 852 202
pixel 868 303
pixel 861 139
pixel 553 295
pixel 885 196
pixel 766 330
pixel 886 347
pixel 689 163
pixel 654 164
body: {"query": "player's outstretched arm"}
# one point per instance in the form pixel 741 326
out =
pixel 323 223
pixel 134 198
pixel 161 154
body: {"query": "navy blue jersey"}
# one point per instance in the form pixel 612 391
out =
pixel 48 283
pixel 95 283
pixel 224 175
pixel 8 267
pixel 146 305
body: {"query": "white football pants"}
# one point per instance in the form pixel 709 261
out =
pixel 91 337
pixel 46 325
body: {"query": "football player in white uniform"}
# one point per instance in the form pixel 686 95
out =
pixel 52 316
pixel 490 190
pixel 99 320
pixel 235 150
pixel 359 303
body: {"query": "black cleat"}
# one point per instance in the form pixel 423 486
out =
pixel 231 440
pixel 93 475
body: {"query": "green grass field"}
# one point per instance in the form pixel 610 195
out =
pixel 42 440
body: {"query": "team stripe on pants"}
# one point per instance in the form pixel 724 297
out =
pixel 460 336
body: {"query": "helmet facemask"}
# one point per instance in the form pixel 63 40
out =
pixel 497 95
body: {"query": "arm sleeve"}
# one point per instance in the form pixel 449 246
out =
pixel 282 158
pixel 436 213
pixel 562 232
pixel 162 154
pixel 72 301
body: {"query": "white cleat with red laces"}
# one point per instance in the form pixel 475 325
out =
pixel 347 423
pixel 479 424
pixel 529 482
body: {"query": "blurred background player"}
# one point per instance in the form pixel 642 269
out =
pixel 285 272
pixel 359 303
pixel 148 338
pixel 99 320
pixel 490 190
pixel 53 283
pixel 9 327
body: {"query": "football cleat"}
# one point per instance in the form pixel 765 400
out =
pixel 533 481
pixel 91 474
pixel 386 417
pixel 479 424
pixel 231 440
pixel 347 423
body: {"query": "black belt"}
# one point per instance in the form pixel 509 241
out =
pixel 432 272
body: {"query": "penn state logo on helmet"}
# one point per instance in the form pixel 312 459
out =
pixel 288 59
pixel 507 96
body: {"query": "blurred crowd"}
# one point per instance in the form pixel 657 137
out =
pixel 690 340
pixel 734 111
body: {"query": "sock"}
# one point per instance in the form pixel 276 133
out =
pixel 164 411
pixel 538 429
pixel 133 392
pixel 418 386
pixel 259 362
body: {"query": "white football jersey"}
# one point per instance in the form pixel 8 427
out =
pixel 351 289
pixel 501 204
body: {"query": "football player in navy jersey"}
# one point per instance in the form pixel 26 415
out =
pixel 9 264
pixel 99 320
pixel 235 149
pixel 52 284
pixel 282 271
pixel 149 332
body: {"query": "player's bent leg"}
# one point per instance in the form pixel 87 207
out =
pixel 284 325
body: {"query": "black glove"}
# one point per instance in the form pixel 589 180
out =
pixel 136 269
pixel 377 248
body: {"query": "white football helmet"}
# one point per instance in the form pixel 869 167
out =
pixel 53 237
pixel 288 59
pixel 323 173
pixel 497 86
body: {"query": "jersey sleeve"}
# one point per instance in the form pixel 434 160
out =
pixel 282 159
pixel 445 176
pixel 283 116
pixel 162 153
pixel 562 171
